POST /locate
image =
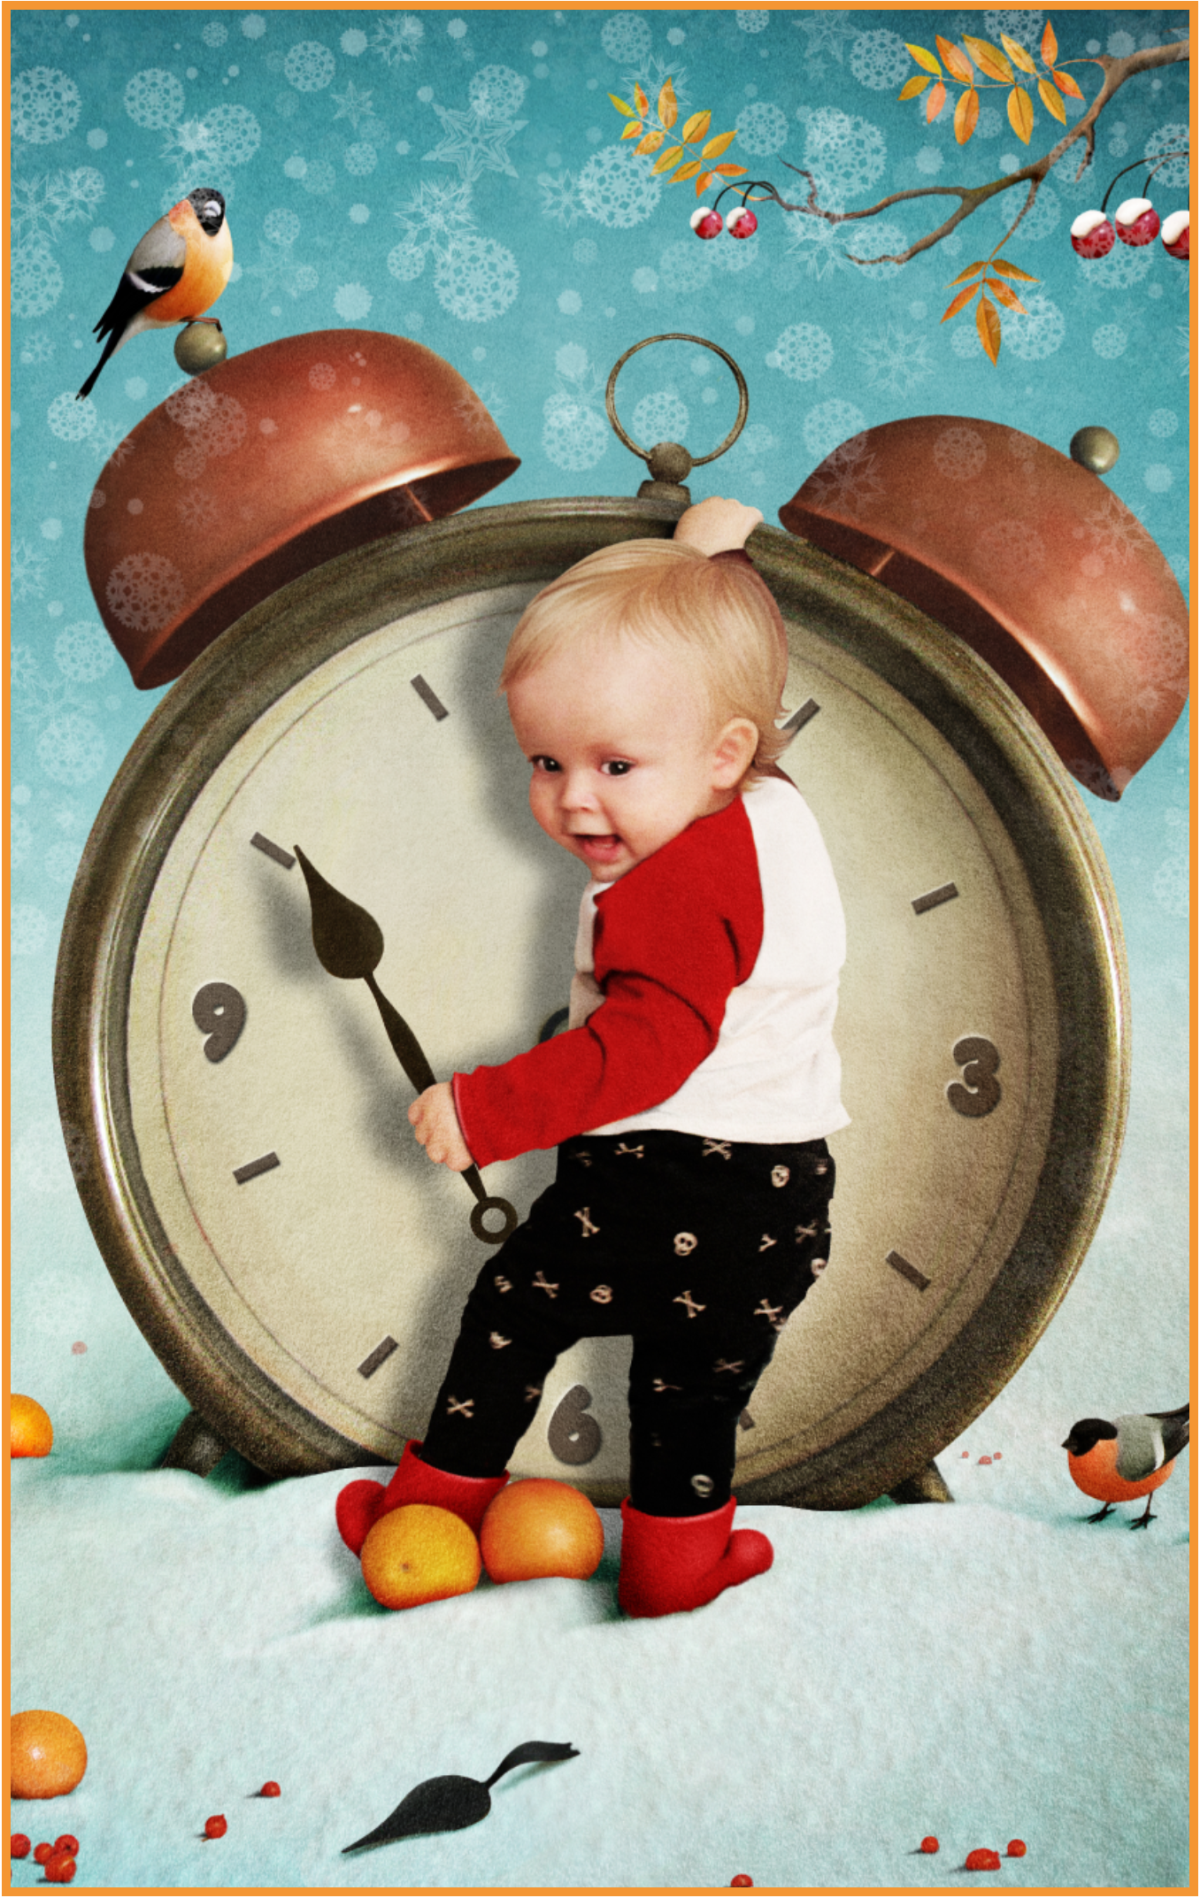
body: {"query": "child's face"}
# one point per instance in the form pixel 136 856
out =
pixel 624 752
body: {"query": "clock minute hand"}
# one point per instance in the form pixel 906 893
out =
pixel 349 945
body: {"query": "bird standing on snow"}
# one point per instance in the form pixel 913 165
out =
pixel 177 271
pixel 1117 1462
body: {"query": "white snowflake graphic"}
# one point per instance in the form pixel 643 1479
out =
pixel 406 261
pixel 26 573
pixel 476 279
pixel 652 75
pixel 480 408
pixel 70 419
pixel 37 349
pixel 619 189
pixel 895 359
pixel 76 194
pixel 398 37
pixel 626 38
pixel 34 211
pixel 353 301
pixel 847 478
pixel 1173 176
pixel 762 129
pixel 309 66
pixel 830 425
pixel 845 154
pixel 360 160
pixel 281 227
pixel 804 352
pixel 685 266
pixel 71 749
pixel 437 213
pixel 1112 535
pixel 1111 341
pixel 828 32
pixel 575 437
pixel 84 652
pixel 880 60
pixel 497 92
pixel 35 281
pixel 1037 334
pixel 818 245
pixel 560 197
pixel 353 104
pixel 108 442
pixel 278 272
pixel 474 144
pixel 660 417
pixel 1021 24
pixel 154 99
pixel 44 105
pixel 1123 269
pixel 145 591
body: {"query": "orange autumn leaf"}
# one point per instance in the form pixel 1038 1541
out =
pixel 634 129
pixel 686 171
pixel 1052 100
pixel 1004 294
pixel 1005 269
pixel 718 145
pixel 989 59
pixel 626 110
pixel 1049 45
pixel 668 105
pixel 935 102
pixel 966 115
pixel 1020 113
pixel 730 171
pixel 1065 83
pixel 925 60
pixel 641 101
pixel 697 127
pixel 703 182
pixel 957 63
pixel 650 143
pixel 970 272
pixel 987 322
pixel 1017 54
pixel 914 86
pixel 670 157
pixel 961 300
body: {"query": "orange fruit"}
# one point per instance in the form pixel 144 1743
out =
pixel 30 1431
pixel 540 1527
pixel 47 1754
pixel 418 1553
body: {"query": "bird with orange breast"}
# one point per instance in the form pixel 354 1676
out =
pixel 176 273
pixel 1132 1456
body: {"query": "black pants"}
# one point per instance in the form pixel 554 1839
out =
pixel 700 1249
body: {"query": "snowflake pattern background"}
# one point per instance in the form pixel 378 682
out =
pixel 461 180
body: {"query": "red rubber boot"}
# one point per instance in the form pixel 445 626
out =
pixel 671 1563
pixel 362 1503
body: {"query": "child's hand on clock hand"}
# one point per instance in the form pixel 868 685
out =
pixel 716 525
pixel 436 1121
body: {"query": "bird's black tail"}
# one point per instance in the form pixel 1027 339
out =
pixel 1176 1429
pixel 109 350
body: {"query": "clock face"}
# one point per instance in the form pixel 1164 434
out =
pixel 256 1190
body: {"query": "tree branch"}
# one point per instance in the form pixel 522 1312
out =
pixel 1117 71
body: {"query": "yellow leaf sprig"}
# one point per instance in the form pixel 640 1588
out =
pixel 995 270
pixel 694 155
pixel 1003 65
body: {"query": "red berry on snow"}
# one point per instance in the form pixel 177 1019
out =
pixel 43 1851
pixel 216 1827
pixel 706 222
pixel 1092 235
pixel 1137 221
pixel 741 1878
pixel 67 1842
pixel 18 1845
pixel 59 1868
pixel 929 1844
pixel 1176 235
pixel 741 223
pixel 983 1859
pixel 1016 1848
pixel 270 1790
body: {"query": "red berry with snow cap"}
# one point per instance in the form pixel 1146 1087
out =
pixel 1137 221
pixel 741 223
pixel 1092 235
pixel 706 222
pixel 1176 234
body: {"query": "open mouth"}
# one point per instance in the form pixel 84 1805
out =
pixel 599 849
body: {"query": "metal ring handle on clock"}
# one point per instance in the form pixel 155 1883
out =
pixel 676 336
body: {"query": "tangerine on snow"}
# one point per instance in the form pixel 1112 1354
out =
pixel 541 1527
pixel 418 1553
pixel 47 1754
pixel 30 1431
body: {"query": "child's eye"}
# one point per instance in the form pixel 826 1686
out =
pixel 545 764
pixel 616 767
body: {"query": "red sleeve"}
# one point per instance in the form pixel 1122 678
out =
pixel 673 936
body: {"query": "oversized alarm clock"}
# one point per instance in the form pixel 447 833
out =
pixel 240 1115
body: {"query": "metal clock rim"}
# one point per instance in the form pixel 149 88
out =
pixel 260 658
pixel 677 336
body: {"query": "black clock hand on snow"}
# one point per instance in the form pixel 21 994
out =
pixel 452 1801
pixel 349 945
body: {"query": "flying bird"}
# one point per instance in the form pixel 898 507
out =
pixel 1130 1457
pixel 176 273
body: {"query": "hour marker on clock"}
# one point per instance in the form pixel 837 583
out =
pixel 800 718
pixel 900 1264
pixel 276 852
pixel 944 893
pixel 266 1163
pixel 426 692
pixel 380 1355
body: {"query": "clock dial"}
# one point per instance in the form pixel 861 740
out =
pixel 257 1192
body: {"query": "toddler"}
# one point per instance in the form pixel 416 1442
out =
pixel 691 1093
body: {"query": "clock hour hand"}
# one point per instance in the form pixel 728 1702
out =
pixel 349 944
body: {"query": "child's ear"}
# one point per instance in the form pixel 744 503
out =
pixel 733 752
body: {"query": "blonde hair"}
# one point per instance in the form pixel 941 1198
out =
pixel 718 615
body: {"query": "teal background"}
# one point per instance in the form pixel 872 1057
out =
pixel 457 176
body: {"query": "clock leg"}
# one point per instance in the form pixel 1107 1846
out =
pixel 927 1486
pixel 194 1447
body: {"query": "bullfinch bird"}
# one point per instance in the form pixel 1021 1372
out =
pixel 177 271
pixel 1131 1457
